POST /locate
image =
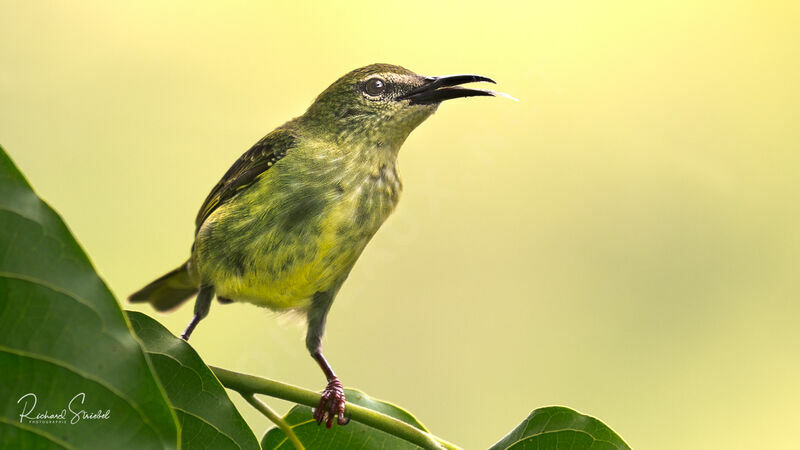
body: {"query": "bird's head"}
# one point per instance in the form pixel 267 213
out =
pixel 383 103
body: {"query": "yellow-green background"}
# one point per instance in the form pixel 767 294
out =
pixel 623 241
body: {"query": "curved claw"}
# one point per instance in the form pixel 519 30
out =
pixel 331 405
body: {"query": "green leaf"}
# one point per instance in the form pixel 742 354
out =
pixel 208 418
pixel 556 427
pixel 353 435
pixel 62 334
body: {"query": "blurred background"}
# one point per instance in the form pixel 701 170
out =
pixel 623 241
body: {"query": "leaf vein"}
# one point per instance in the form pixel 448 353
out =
pixel 594 439
pixel 33 430
pixel 45 284
pixel 222 433
pixel 77 371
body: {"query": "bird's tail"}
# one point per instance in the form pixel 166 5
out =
pixel 168 291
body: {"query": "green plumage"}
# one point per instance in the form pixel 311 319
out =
pixel 245 170
pixel 286 223
pixel 169 291
pixel 293 213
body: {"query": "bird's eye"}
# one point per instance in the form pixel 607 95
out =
pixel 375 87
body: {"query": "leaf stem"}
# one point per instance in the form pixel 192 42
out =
pixel 247 385
pixel 275 418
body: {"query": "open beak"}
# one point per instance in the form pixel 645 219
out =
pixel 439 89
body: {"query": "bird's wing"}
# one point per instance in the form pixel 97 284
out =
pixel 263 155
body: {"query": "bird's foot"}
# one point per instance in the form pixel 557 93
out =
pixel 331 405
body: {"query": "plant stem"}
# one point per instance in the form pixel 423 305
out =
pixel 275 418
pixel 250 384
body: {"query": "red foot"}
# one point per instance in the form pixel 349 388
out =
pixel 331 405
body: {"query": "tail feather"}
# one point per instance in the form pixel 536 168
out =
pixel 169 291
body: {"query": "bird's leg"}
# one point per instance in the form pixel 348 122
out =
pixel 332 402
pixel 201 307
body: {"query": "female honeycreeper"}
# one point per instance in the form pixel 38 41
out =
pixel 286 223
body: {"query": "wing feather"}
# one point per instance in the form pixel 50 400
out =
pixel 263 155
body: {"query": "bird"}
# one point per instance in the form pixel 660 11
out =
pixel 285 224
